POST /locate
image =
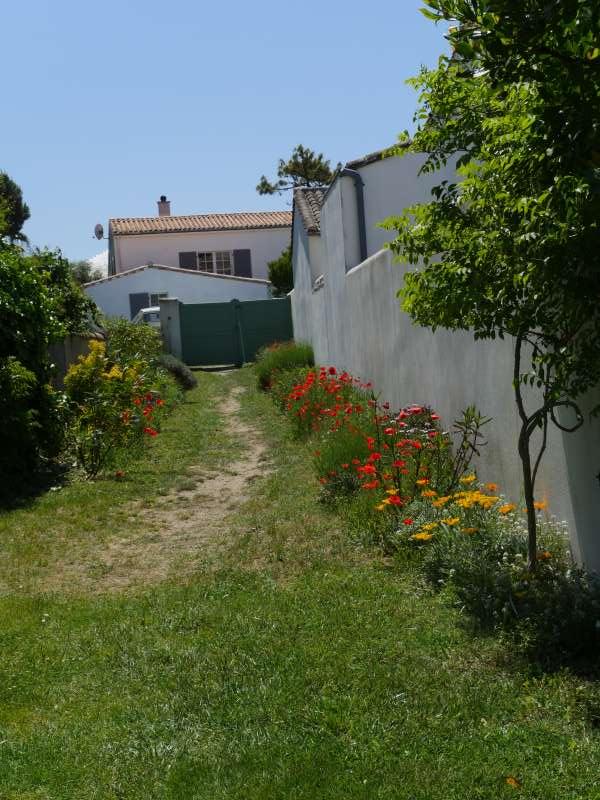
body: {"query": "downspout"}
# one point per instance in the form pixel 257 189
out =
pixel 360 208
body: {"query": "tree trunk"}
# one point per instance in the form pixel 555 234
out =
pixel 525 456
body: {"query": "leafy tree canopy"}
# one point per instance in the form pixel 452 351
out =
pixel 281 274
pixel 512 247
pixel 14 213
pixel 83 272
pixel 303 168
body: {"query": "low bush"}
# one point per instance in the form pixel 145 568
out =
pixel 279 357
pixel 179 371
pixel 114 408
pixel 126 342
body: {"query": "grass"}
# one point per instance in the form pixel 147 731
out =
pixel 300 666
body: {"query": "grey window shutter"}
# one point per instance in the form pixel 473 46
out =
pixel 137 301
pixel 242 263
pixel 188 260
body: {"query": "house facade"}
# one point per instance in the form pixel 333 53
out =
pixel 124 294
pixel 240 243
pixel 345 303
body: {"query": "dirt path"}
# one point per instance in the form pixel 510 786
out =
pixel 182 530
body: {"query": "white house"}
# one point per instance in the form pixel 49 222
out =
pixel 197 258
pixel 345 303
pixel 124 294
pixel 240 243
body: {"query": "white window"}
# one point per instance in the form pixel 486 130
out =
pixel 205 262
pixel 223 263
pixel 155 297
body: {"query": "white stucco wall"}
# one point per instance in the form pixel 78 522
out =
pixel 112 294
pixel 164 248
pixel 355 322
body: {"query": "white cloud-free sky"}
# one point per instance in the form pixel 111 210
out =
pixel 111 105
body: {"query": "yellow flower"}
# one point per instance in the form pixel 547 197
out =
pixel 540 504
pixel 380 507
pixel 97 346
pixel 114 372
pixel 422 482
pixel 451 521
pixel 391 491
pixel 507 508
pixel 430 526
pixel 491 487
pixel 469 530
pixel 441 501
pixel 428 493
pixel 422 537
pixel 514 782
pixel 468 479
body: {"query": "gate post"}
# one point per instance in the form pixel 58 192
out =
pixel 237 311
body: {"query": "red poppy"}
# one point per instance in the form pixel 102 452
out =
pixel 151 431
pixel 398 463
pixel 407 521
pixel 332 370
pixel 375 457
pixel 137 401
pixel 389 431
pixel 395 500
pixel 370 485
pixel 368 469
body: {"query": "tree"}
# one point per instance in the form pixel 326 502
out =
pixel 14 213
pixel 281 274
pixel 303 168
pixel 512 248
pixel 84 273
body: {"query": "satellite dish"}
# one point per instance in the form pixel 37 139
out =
pixel 99 231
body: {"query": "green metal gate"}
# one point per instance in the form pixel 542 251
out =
pixel 232 333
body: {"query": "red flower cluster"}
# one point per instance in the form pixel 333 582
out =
pixel 394 453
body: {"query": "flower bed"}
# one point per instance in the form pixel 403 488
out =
pixel 408 485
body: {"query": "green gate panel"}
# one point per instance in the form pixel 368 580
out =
pixel 264 322
pixel 209 334
pixel 231 333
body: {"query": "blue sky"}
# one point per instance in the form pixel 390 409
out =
pixel 110 105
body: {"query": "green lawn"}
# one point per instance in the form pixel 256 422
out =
pixel 293 665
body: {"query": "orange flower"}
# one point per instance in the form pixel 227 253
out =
pixel 422 482
pixel 422 537
pixel 507 508
pixel 428 493
pixel 514 782
pixel 540 505
pixel 491 487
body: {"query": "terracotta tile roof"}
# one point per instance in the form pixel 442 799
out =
pixel 242 221
pixel 309 202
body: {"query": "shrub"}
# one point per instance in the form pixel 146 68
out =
pixel 179 371
pixel 114 408
pixel 126 342
pixel 32 315
pixel 279 357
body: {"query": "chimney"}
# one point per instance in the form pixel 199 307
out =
pixel 164 206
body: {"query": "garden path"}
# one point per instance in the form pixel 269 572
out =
pixel 181 530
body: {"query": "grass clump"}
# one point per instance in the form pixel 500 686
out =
pixel 280 357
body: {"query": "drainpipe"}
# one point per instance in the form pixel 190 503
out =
pixel 360 207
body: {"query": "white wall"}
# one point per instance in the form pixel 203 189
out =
pixel 112 294
pixel 164 248
pixel 355 322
